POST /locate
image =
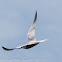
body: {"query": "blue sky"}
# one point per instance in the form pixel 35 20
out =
pixel 16 17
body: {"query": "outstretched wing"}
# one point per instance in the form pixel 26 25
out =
pixel 31 32
pixel 7 49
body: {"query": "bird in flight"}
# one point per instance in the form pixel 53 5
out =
pixel 31 38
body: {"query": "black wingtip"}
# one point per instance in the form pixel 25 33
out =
pixel 35 17
pixel 36 11
pixel 7 49
pixel 3 47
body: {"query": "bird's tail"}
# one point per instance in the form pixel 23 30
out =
pixel 43 40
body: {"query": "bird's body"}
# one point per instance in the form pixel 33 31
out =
pixel 31 37
pixel 27 46
pixel 31 44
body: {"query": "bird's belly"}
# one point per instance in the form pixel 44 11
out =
pixel 29 46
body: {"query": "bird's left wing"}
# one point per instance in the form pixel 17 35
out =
pixel 31 32
pixel 7 49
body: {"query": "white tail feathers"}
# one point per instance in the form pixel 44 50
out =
pixel 43 40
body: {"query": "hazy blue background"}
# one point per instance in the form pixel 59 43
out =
pixel 16 17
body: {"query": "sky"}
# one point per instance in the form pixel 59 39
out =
pixel 16 17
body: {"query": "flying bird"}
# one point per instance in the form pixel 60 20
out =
pixel 31 38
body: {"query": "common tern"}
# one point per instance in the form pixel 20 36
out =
pixel 31 38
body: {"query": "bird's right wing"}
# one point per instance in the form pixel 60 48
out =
pixel 31 32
